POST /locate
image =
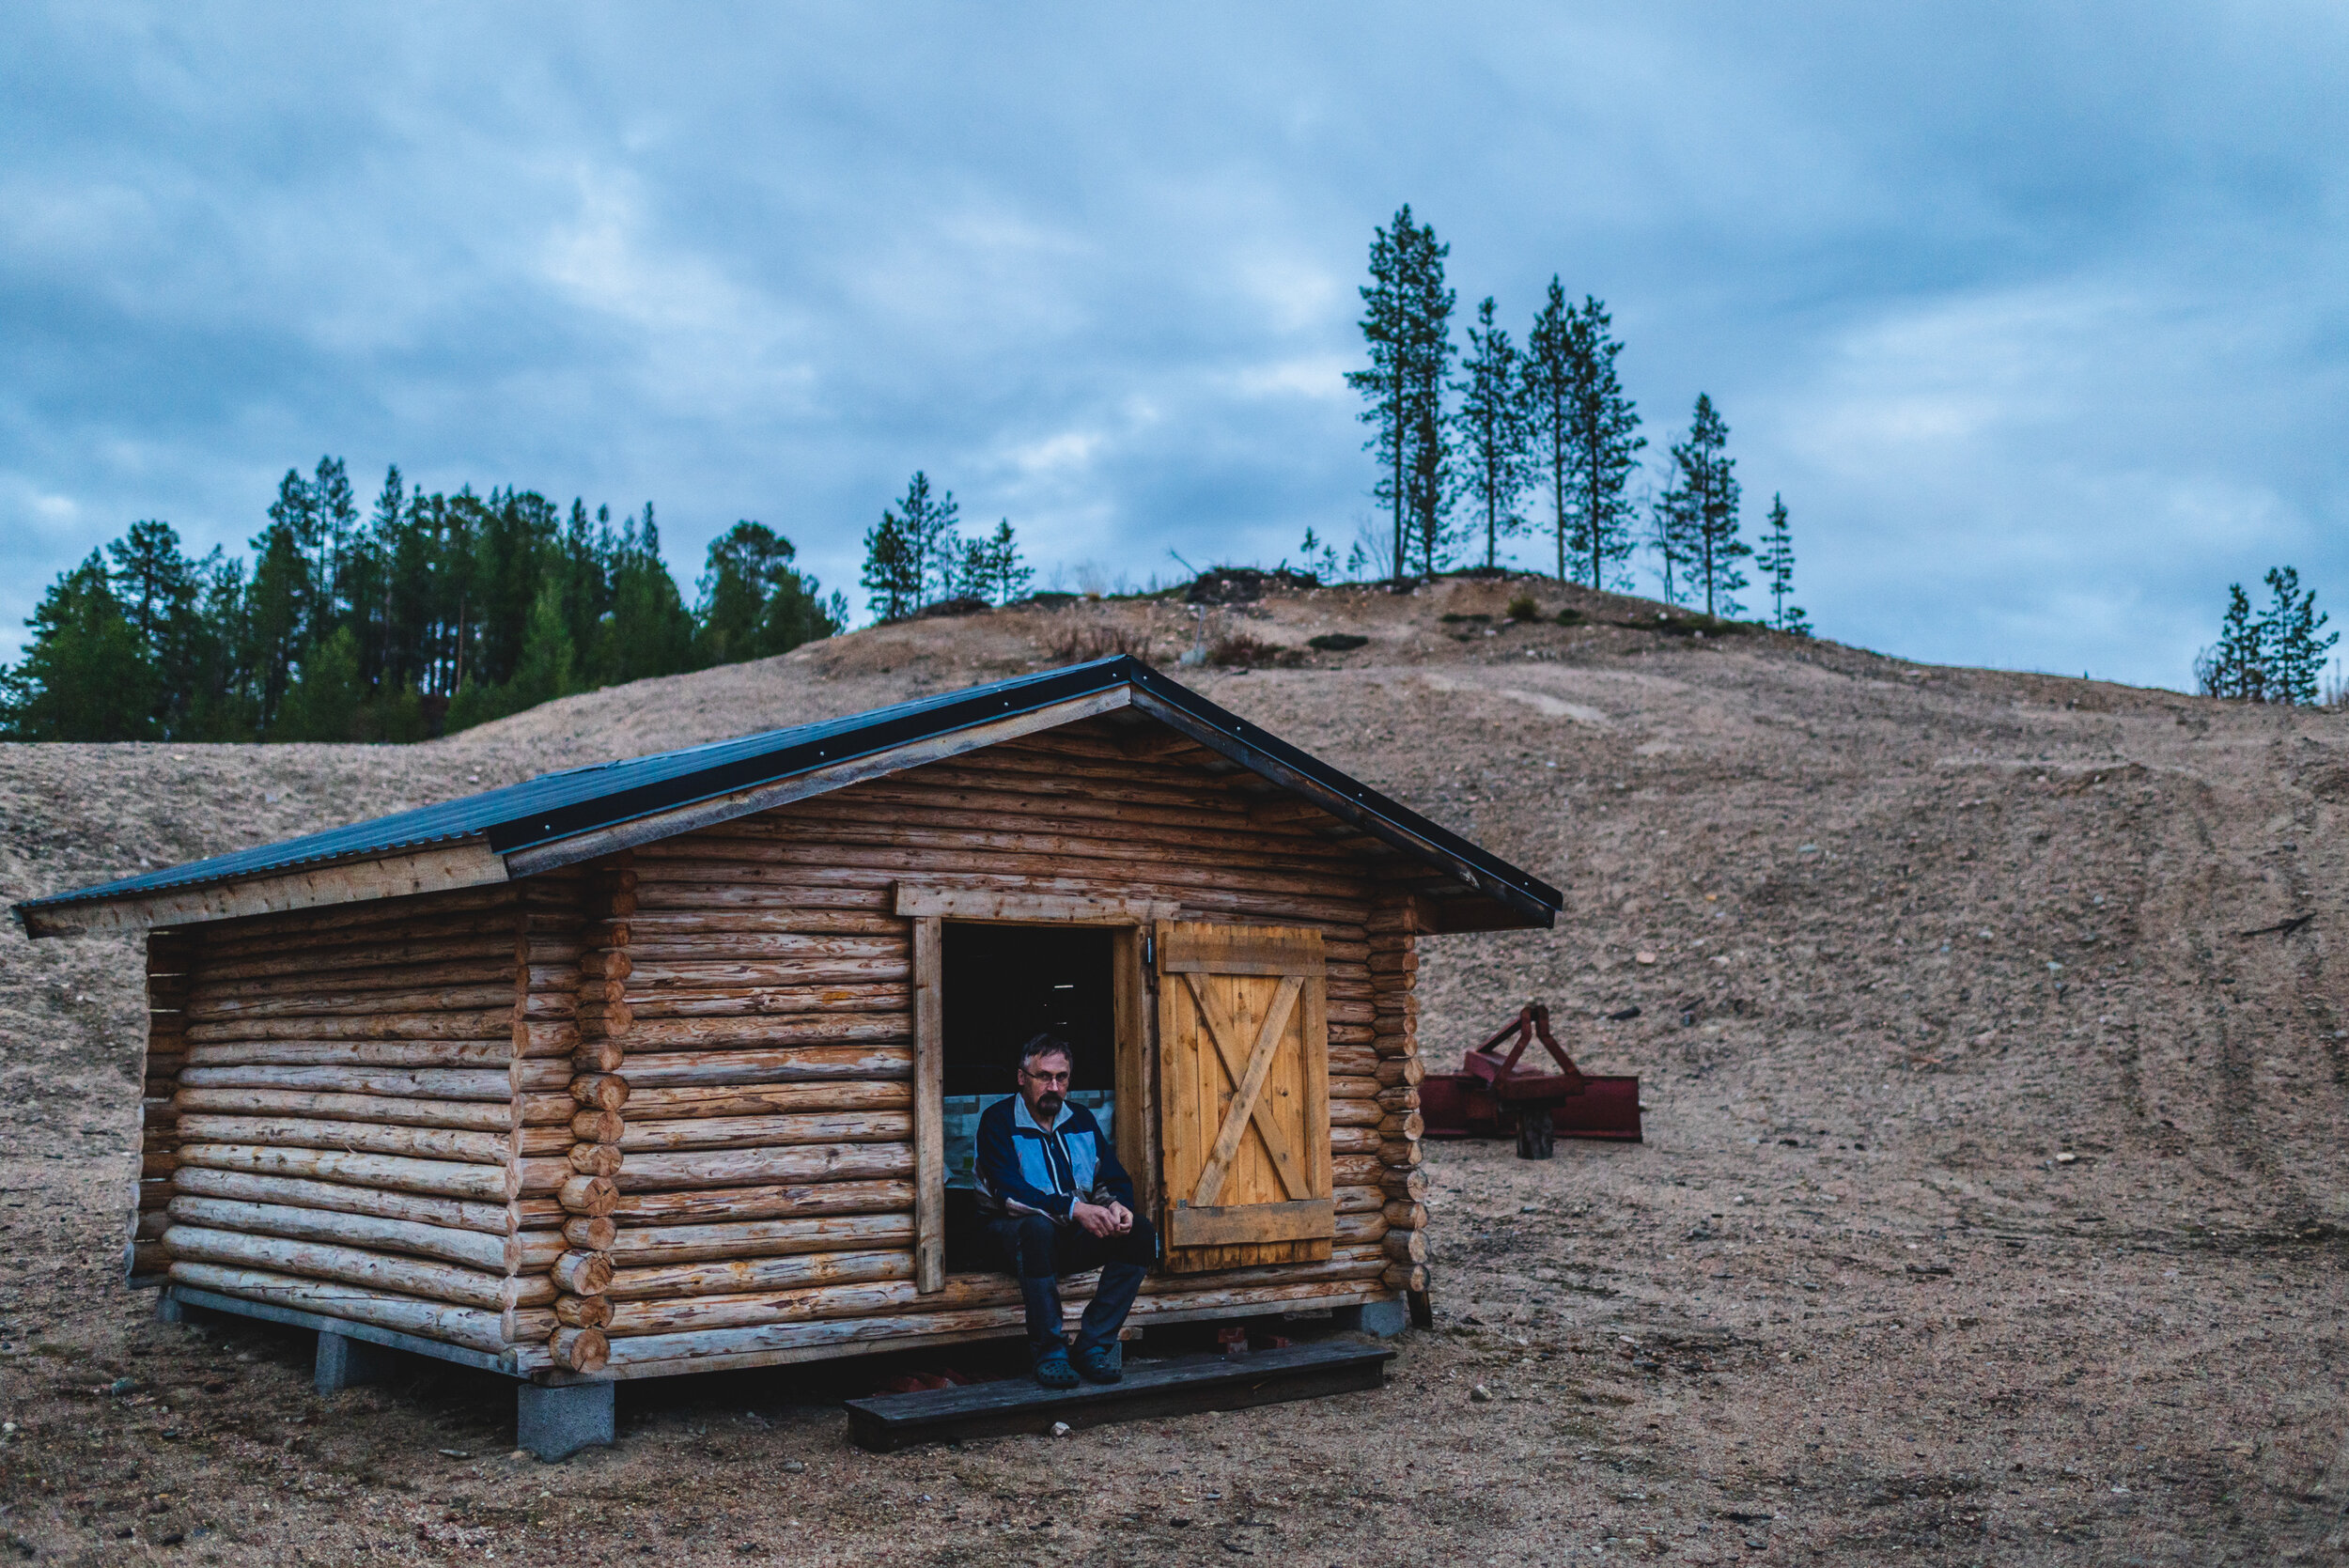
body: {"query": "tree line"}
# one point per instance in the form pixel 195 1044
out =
pixel 916 557
pixel 1465 441
pixel 427 614
pixel 2276 656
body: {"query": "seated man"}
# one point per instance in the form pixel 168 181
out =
pixel 1057 1202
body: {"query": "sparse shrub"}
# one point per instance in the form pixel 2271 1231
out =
pixel 1338 642
pixel 1569 617
pixel 1455 618
pixel 1085 641
pixel 1523 608
pixel 1244 650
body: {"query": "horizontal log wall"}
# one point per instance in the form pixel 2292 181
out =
pixel 659 1110
pixel 766 1161
pixel 366 1117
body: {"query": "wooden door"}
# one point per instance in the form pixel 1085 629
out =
pixel 1243 1095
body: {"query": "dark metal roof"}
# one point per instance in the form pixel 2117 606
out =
pixel 581 800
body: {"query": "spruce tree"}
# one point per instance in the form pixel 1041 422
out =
pixel 1700 511
pixel 1406 327
pixel 1602 439
pixel 86 674
pixel 1776 560
pixel 2295 640
pixel 892 569
pixel 1491 422
pixel 1546 387
pixel 928 522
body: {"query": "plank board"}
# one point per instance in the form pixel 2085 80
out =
pixel 1180 1385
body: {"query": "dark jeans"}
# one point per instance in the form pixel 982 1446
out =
pixel 1037 1252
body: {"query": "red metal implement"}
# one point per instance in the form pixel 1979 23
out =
pixel 1490 1097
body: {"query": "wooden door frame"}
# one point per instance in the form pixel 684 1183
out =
pixel 927 909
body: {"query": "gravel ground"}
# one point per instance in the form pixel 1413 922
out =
pixel 1991 1209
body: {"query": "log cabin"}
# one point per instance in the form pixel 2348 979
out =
pixel 670 1064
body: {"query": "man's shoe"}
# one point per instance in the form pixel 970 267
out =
pixel 1054 1371
pixel 1101 1363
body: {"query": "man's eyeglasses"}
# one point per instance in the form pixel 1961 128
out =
pixel 1048 1079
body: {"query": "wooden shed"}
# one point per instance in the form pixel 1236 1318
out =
pixel 670 1064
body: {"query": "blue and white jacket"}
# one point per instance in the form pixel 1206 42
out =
pixel 1024 1166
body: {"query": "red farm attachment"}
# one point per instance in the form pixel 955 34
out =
pixel 1489 1098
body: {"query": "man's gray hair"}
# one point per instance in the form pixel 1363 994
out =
pixel 1043 1045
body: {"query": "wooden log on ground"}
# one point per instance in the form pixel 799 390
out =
pixel 492 1219
pixel 431 1282
pixel 768 1099
pixel 472 1328
pixel 770 1064
pixel 764 1203
pixel 754 1132
pixel 471 1148
pixel 807 1162
pixel 438 1178
pixel 427 1083
pixel 462 1116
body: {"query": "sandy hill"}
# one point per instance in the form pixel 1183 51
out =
pixel 1994 1194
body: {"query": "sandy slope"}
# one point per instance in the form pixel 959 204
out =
pixel 1916 933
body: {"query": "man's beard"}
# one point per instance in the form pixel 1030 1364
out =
pixel 1048 1104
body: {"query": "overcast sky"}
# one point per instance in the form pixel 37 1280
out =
pixel 2033 314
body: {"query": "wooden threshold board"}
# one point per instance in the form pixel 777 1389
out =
pixel 1182 1385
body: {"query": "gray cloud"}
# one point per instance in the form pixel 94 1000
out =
pixel 2033 315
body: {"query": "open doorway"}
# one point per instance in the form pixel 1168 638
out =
pixel 1001 985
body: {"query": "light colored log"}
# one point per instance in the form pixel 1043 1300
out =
pixel 1354 1113
pixel 1402 1153
pixel 596 1159
pixel 468 1116
pixel 762 1002
pixel 1406 1214
pixel 768 1099
pixel 1403 1097
pixel 473 1148
pixel 1404 1276
pixel 608 963
pixel 1350 1087
pixel 1360 1229
pixel 769 1065
pixel 1357 1200
pixel 709 918
pixel 913 852
pixel 326 1004
pixel 1353 1141
pixel 1403 1124
pixel 598 1058
pixel 310 1260
pixel 421 955
pixel 745 1276
pixel 583 1273
pixel 405 1026
pixel 492 1219
pixel 599 1090
pixel 357 1053
pixel 715 889
pixel 548 1076
pixel 472 1328
pixel 587 1195
pixel 320 983
pixel 764 1203
pixel 590 1234
pixel 853 868
pixel 470 1248
pixel 712 958
pixel 797 1029
pixel 437 1177
pixel 751 1132
pixel 583 1311
pixel 526 1330
pixel 644 1245
pixel 428 1084
pixel 1356 1170
pixel 809 1162
pixel 581 1350
pixel 597 1126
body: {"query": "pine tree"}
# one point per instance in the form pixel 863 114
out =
pixel 1407 326
pixel 994 570
pixel 1546 387
pixel 328 699
pixel 928 523
pixel 2236 668
pixel 754 603
pixel 1491 422
pixel 1603 442
pixel 334 516
pixel 892 569
pixel 1776 560
pixel 86 674
pixel 1700 511
pixel 2295 640
pixel 649 631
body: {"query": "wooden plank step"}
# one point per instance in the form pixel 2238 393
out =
pixel 1181 1384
